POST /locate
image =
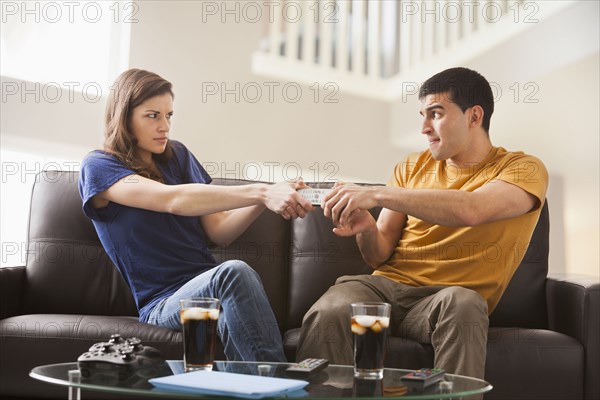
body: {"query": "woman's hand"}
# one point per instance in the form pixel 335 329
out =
pixel 284 199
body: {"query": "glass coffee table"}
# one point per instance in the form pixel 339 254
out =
pixel 336 381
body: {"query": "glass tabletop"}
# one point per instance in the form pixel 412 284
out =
pixel 336 381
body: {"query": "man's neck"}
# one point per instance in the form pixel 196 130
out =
pixel 478 152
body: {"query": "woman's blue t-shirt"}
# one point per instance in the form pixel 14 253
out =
pixel 155 252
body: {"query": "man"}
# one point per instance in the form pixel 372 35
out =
pixel 455 223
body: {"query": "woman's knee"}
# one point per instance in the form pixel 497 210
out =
pixel 237 269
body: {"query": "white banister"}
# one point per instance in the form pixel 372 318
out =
pixel 416 38
pixel 452 15
pixel 371 47
pixel 358 38
pixel 405 38
pixel 374 42
pixel 441 30
pixel 292 27
pixel 326 29
pixel 275 34
pixel 309 36
pixel 341 54
pixel 428 28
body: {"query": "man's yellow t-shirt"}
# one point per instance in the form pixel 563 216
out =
pixel 482 258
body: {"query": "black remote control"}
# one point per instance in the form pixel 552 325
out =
pixel 307 367
pixel 423 378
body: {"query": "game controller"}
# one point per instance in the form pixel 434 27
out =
pixel 121 361
pixel 315 196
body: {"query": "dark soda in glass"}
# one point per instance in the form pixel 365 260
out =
pixel 369 325
pixel 199 329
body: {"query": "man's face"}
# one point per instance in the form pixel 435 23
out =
pixel 446 126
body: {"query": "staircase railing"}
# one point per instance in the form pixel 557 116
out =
pixel 368 46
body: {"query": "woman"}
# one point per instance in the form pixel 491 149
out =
pixel 154 211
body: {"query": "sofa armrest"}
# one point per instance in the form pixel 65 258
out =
pixel 574 309
pixel 12 286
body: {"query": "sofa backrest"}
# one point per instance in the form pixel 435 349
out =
pixel 524 301
pixel 69 272
pixel 265 247
pixel 319 257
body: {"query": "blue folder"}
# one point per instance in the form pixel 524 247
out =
pixel 228 384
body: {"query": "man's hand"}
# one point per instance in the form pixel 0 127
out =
pixel 345 199
pixel 284 199
pixel 360 221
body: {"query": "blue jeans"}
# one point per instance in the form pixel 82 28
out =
pixel 247 326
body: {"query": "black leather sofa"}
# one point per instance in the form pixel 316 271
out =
pixel 543 338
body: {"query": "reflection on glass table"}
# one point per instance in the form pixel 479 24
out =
pixel 336 381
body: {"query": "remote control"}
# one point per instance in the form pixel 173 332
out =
pixel 315 196
pixel 423 378
pixel 307 367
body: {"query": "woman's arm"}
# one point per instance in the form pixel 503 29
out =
pixel 224 227
pixel 195 199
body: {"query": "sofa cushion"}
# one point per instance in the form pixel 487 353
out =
pixel 38 339
pixel 523 361
pixel 534 364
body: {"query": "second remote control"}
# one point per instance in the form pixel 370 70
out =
pixel 308 366
pixel 423 378
pixel 315 196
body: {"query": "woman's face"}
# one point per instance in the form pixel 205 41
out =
pixel 150 123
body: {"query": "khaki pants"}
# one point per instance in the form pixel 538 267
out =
pixel 452 319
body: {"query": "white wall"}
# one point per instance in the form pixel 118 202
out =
pixel 352 135
pixel 562 128
pixel 171 40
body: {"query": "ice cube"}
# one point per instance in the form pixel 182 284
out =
pixel 196 313
pixel 376 327
pixel 213 314
pixel 359 330
pixel 365 320
pixel 384 321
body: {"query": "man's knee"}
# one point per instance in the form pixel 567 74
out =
pixel 464 315
pixel 463 301
pixel 325 320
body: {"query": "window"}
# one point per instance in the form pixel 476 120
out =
pixel 68 44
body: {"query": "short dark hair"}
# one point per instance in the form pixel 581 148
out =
pixel 465 87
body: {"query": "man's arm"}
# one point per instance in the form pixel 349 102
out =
pixel 376 239
pixel 200 199
pixel 377 243
pixel 493 201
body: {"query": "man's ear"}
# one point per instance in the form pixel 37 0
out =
pixel 476 116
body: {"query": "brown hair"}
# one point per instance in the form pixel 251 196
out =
pixel 132 88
